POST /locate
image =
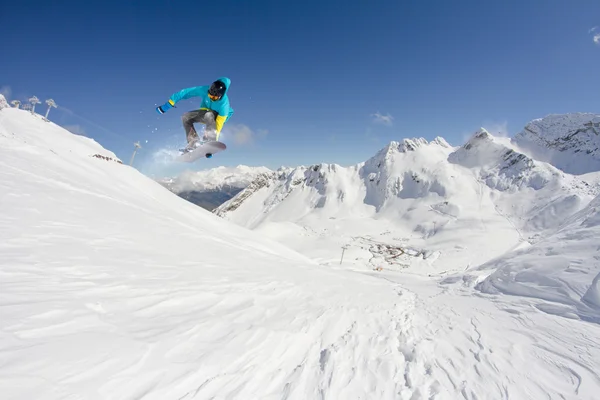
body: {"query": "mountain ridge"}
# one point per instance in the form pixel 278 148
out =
pixel 516 167
pixel 424 189
pixel 571 142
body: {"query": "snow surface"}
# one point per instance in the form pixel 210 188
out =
pixel 114 287
pixel 564 268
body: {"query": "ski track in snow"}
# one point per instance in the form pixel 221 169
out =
pixel 113 287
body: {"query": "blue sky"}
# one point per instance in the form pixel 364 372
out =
pixel 312 81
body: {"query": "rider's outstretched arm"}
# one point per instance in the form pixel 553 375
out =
pixel 196 91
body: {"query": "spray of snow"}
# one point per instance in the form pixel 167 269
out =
pixel 498 129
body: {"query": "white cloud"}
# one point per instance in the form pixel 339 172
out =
pixel 242 134
pixel 379 118
pixel 6 92
pixel 596 37
pixel 262 133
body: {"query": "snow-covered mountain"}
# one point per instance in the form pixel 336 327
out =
pixel 211 188
pixel 214 178
pixel 534 195
pixel 421 193
pixel 333 190
pixel 570 142
pixel 3 103
pixel 111 286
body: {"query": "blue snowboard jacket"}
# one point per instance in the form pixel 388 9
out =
pixel 221 106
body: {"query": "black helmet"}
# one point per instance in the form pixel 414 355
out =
pixel 217 89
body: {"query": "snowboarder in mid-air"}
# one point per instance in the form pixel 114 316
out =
pixel 213 112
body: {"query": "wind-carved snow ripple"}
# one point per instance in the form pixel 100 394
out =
pixel 347 352
pixel 377 357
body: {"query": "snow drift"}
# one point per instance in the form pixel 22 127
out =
pixel 563 269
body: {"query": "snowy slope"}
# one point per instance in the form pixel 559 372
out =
pixel 426 198
pixel 563 269
pixel 571 142
pixel 114 287
pixel 534 195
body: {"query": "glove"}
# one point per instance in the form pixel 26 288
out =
pixel 165 107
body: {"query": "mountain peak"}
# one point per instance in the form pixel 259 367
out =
pixel 570 142
pixel 479 138
pixel 407 145
pixel 500 165
pixel 440 141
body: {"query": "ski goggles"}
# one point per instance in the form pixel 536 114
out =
pixel 213 98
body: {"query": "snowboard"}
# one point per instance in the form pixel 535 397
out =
pixel 206 149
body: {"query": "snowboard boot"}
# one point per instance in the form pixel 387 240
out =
pixel 191 146
pixel 210 135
